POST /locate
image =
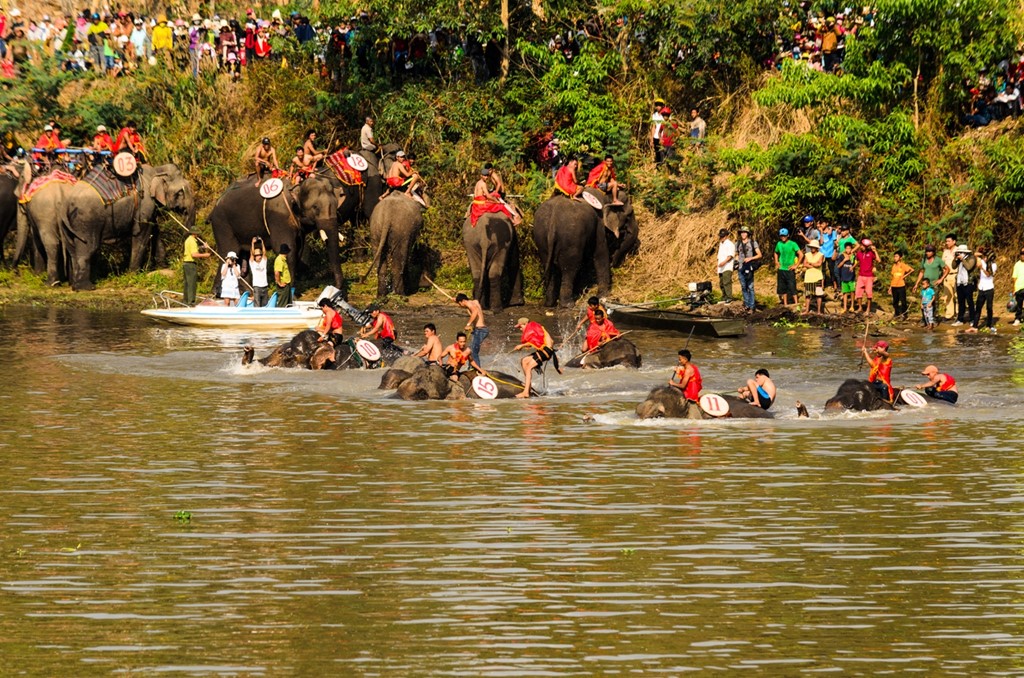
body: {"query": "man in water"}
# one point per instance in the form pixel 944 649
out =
pixel 687 377
pixel 382 329
pixel 535 337
pixel 475 324
pixel 760 390
pixel 939 385
pixel 188 266
pixel 881 370
pixel 600 332
pixel 458 356
pixel 431 351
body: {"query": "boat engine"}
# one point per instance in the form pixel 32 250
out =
pixel 699 293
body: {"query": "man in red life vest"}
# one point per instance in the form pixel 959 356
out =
pixel 330 326
pixel 939 385
pixel 49 142
pixel 382 329
pixel 687 377
pixel 537 338
pixel 600 332
pixel 129 140
pixel 102 141
pixel 593 306
pixel 458 355
pixel 602 177
pixel 881 370
pixel 565 180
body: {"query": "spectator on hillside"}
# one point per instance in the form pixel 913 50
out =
pixel 698 128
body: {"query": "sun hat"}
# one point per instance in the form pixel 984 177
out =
pixel 101 128
pixel 744 229
pixel 231 255
pixel 47 128
pixel 722 232
pixel 784 231
pixel 522 322
pixel 866 242
pixel 928 370
pixel 814 243
pixel 884 345
pixel 400 154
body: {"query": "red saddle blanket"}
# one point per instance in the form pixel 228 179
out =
pixel 57 176
pixel 345 172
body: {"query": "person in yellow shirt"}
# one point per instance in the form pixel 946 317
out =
pixel 814 278
pixel 1018 288
pixel 898 285
pixel 163 40
pixel 283 277
pixel 189 271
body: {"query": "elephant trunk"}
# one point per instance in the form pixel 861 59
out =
pixel 190 208
pixel 330 228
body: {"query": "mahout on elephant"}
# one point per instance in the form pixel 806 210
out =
pixel 578 244
pixel 394 227
pixel 492 247
pixel 619 351
pixel 859 395
pixel 413 379
pixel 306 350
pixel 668 402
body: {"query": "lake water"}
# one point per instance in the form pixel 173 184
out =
pixel 334 531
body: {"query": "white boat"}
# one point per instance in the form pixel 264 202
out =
pixel 300 315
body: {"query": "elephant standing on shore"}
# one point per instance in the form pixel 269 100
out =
pixel 87 221
pixel 8 208
pixel 241 214
pixel 668 402
pixel 492 247
pixel 394 227
pixel 39 228
pixel 578 244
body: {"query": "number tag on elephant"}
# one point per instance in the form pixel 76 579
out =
pixel 125 164
pixel 485 388
pixel 714 404
pixel 368 350
pixel 271 188
pixel 913 398
pixel 357 162
pixel 592 201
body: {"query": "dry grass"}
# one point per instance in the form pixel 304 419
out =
pixel 674 250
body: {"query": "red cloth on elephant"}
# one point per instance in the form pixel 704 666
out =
pixel 345 172
pixel 482 206
pixel 594 178
pixel 600 334
pixel 39 182
pixel 533 334
pixel 565 181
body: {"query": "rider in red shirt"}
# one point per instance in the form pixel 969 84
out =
pixel 687 377
pixel 600 332
pixel 881 370
pixel 330 326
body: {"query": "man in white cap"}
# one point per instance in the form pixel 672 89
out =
pixel 102 141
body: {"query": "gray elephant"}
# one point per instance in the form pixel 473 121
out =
pixel 89 220
pixel 8 208
pixel 858 395
pixel 306 351
pixel 39 228
pixel 241 214
pixel 618 352
pixel 413 379
pixel 668 402
pixel 492 247
pixel 577 243
pixel 508 385
pixel 394 227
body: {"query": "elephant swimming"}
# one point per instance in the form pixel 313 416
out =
pixel 413 379
pixel 306 351
pixel 858 395
pixel 574 239
pixel 618 352
pixel 668 402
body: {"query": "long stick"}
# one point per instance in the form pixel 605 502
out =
pixel 438 287
pixel 687 345
pixel 864 344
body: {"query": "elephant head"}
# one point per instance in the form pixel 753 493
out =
pixel 621 225
pixel 172 191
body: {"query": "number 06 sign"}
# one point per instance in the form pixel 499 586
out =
pixel 271 188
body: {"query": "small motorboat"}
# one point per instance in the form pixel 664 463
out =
pixel 675 321
pixel 169 308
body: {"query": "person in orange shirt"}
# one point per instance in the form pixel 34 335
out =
pixel 49 142
pixel 687 377
pixel 102 141
pixel 537 338
pixel 898 285
pixel 600 332
pixel 129 140
pixel 565 180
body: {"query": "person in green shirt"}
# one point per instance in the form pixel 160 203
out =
pixel 283 277
pixel 188 265
pixel 845 237
pixel 787 257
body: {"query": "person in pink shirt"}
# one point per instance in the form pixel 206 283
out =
pixel 867 257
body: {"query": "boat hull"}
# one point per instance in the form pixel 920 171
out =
pixel 678 321
pixel 249 317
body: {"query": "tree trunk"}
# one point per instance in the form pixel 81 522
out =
pixel 504 49
pixel 917 108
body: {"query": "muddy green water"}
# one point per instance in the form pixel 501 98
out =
pixel 336 532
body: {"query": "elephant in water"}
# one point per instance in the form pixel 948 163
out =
pixel 305 350
pixel 492 247
pixel 578 245
pixel 668 402
pixel 618 352
pixel 415 380
pixel 394 227
pixel 858 395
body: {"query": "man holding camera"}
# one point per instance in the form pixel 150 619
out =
pixel 964 264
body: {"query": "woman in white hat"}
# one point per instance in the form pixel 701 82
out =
pixel 229 274
pixel 814 280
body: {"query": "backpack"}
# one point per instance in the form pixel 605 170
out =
pixel 752 266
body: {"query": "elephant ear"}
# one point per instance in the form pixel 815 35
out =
pixel 159 188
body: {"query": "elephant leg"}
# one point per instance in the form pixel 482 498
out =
pixel 551 282
pixel 602 263
pixel 495 269
pixel 54 255
pixel 383 272
pixel 80 267
pixel 476 270
pixel 400 265
pixel 141 244
pixel 565 292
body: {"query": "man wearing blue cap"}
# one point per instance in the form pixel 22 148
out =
pixel 787 258
pixel 810 229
